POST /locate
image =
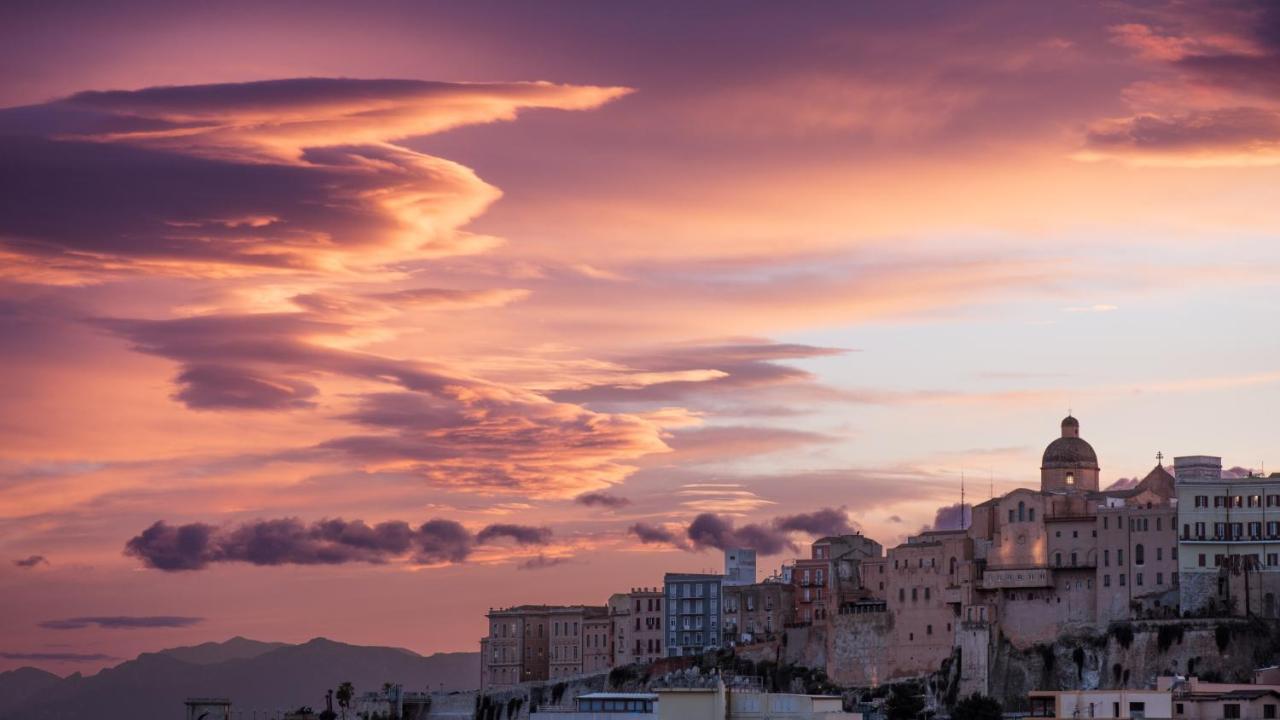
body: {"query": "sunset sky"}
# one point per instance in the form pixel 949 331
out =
pixel 356 320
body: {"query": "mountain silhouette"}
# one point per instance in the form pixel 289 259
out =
pixel 254 675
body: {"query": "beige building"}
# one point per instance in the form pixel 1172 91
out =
pixel 1136 704
pixel 1194 699
pixel 637 625
pixel 597 640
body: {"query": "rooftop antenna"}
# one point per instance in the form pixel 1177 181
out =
pixel 1159 458
pixel 961 499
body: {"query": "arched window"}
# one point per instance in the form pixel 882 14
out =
pixel 1139 556
pixel 1022 511
pixel 1057 559
pixel 953 566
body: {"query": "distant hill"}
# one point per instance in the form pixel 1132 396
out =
pixel 237 648
pixel 18 685
pixel 254 675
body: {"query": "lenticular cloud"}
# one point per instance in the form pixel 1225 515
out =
pixel 274 177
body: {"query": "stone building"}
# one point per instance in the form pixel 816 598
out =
pixel 1229 539
pixel 753 613
pixel 692 613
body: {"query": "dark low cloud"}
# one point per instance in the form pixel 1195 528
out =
pixel 55 657
pixel 600 499
pixel 520 534
pixel 709 530
pixel 655 535
pixel 122 622
pixel 951 517
pixel 719 532
pixel 31 561
pixel 289 541
pixel 827 521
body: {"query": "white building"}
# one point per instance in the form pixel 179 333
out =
pixel 1135 704
pixel 739 566
pixel 1228 539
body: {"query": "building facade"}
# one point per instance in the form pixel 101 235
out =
pixel 758 612
pixel 1229 539
pixel 692 613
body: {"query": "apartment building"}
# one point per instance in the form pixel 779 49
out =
pixel 1228 539
pixel 692 613
pixel 638 626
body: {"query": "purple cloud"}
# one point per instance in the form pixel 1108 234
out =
pixel 332 541
pixel 520 534
pixel 31 561
pixel 122 622
pixel 600 499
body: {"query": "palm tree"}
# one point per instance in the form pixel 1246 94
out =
pixel 345 692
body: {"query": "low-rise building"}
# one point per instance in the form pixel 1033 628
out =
pixel 1073 704
pixel 709 703
pixel 1194 699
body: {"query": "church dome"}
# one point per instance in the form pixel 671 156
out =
pixel 1070 451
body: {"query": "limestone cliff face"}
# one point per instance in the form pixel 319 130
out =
pixel 1133 656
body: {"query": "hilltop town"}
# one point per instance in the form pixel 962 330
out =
pixel 1019 572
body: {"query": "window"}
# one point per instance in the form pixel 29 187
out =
pixel 1231 711
pixel 1057 559
pixel 926 593
pixel 1177 708
pixel 928 629
pixel 1022 511
pixel 1137 579
pixel 1106 581
pixel 1121 579
pixel 902 594
pixel 1106 558
pixel 1010 514
pixel 1201 560
pixel 1159 554
pixel 1120 556
pixel 1031 515
pixel 1139 555
pixel 1073 560
pixel 1269 711
pixel 1159 578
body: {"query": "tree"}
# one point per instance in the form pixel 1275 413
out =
pixel 977 707
pixel 345 692
pixel 904 703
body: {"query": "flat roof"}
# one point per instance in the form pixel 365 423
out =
pixel 618 696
